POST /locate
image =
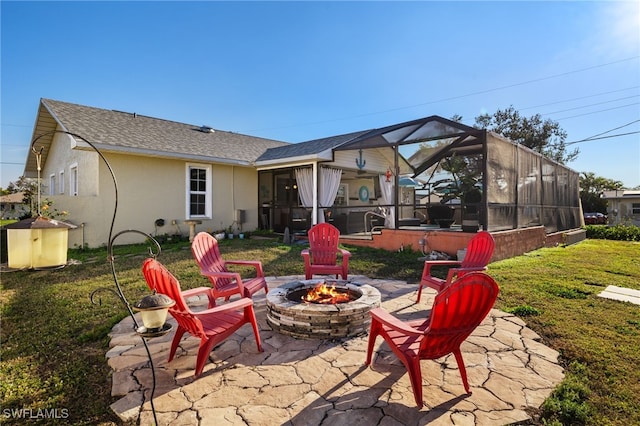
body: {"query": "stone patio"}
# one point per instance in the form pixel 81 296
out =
pixel 325 382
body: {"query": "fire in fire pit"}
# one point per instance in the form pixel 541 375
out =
pixel 289 313
pixel 323 293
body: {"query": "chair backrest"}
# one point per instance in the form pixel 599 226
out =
pixel 457 311
pixel 206 251
pixel 479 250
pixel 323 244
pixel 160 279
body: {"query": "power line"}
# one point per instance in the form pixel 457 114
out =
pixel 579 98
pixel 611 130
pixel 595 112
pixel 590 105
pixel 602 137
pixel 481 92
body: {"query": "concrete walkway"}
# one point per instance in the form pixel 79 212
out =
pixel 319 382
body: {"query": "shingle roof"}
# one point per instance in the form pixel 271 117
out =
pixel 308 148
pixel 147 134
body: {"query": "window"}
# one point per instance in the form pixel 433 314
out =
pixel 61 183
pixel 73 180
pixel 52 185
pixel 198 190
pixel 635 208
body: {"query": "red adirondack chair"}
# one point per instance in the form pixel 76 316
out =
pixel 479 251
pixel 211 326
pixel 225 283
pixel 322 255
pixel 456 312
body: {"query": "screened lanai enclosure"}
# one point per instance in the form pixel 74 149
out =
pixel 427 173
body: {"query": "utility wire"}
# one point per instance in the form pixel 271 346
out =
pixel 615 128
pixel 602 137
pixel 579 98
pixel 481 92
pixel 590 105
pixel 595 112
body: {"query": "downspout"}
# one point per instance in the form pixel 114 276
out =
pixel 314 209
pixel 396 186
pixel 485 184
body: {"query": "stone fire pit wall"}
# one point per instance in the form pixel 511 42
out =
pixel 321 321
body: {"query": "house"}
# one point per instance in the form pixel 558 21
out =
pixel 164 170
pixel 174 175
pixel 623 206
pixel 12 206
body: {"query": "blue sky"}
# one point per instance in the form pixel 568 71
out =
pixel 296 71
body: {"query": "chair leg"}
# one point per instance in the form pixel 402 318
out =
pixel 373 334
pixel 175 342
pixel 463 370
pixel 250 314
pixel 205 348
pixel 419 292
pixel 415 376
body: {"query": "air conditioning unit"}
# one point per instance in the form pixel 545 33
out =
pixel 239 216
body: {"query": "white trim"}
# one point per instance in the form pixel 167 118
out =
pixel 74 180
pixel 52 184
pixel 61 182
pixel 208 193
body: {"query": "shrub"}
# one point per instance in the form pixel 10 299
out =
pixel 524 311
pixel 616 232
pixel 567 404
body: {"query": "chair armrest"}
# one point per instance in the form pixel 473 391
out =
pixel 344 252
pixel 429 263
pixel 305 252
pixel 253 263
pixel 195 291
pixel 228 275
pixel 385 318
pixel 231 306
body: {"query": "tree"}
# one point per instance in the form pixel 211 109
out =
pixel 591 187
pixel 543 136
pixel 26 185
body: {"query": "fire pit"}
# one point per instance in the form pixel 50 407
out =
pixel 321 309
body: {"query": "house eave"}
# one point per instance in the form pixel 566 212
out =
pixel 326 155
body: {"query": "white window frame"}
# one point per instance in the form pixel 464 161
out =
pixel 635 209
pixel 61 182
pixel 73 180
pixel 208 192
pixel 52 184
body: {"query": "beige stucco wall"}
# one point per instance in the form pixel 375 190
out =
pixel 149 188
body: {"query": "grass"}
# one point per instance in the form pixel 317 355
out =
pixel 54 339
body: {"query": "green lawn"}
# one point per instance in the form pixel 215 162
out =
pixel 53 340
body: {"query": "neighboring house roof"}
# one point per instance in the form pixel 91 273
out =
pixel 621 193
pixel 15 198
pixel 132 133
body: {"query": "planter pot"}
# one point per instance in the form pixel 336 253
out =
pixel 241 236
pixel 230 236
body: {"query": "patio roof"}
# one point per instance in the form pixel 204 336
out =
pixel 464 140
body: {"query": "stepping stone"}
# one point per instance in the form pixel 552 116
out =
pixel 622 294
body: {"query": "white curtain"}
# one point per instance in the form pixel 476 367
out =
pixel 304 179
pixel 329 183
pixel 386 189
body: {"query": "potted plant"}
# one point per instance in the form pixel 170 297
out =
pixel 230 232
pixel 464 184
